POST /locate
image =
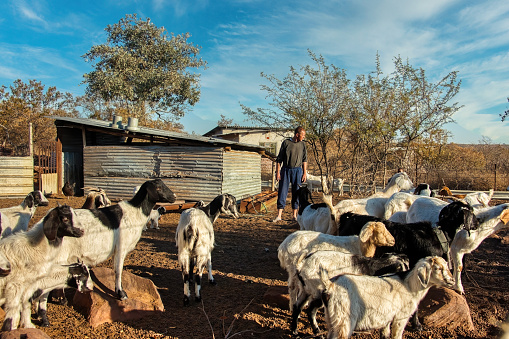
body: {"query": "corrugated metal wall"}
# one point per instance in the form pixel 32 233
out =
pixel 16 176
pixel 241 173
pixel 193 173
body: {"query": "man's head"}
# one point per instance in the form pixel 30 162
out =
pixel 300 133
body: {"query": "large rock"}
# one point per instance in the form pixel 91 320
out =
pixel 24 333
pixel 102 306
pixel 443 307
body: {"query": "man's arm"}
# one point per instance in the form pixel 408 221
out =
pixel 305 171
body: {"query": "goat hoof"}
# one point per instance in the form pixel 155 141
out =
pixel 415 328
pixel 186 300
pixel 197 299
pixel 212 282
pixel 45 323
pixel 122 295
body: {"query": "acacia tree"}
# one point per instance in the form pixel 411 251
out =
pixel 145 70
pixel 313 97
pixel 24 103
pixel 424 106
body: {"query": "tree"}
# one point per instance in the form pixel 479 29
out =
pixel 313 97
pixel 145 70
pixel 24 103
pixel 505 114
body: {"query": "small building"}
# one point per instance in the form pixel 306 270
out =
pixel 266 137
pixel 117 157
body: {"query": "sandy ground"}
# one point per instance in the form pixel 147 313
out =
pixel 245 265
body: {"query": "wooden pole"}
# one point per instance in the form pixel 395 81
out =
pixel 495 185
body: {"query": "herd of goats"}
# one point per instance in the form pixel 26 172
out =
pixel 367 262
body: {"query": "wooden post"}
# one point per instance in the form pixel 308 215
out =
pixel 273 184
pixel 30 140
pixel 495 184
pixel 60 172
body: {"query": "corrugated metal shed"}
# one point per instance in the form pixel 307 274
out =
pixel 16 176
pixel 194 167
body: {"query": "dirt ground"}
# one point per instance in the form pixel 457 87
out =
pixel 245 264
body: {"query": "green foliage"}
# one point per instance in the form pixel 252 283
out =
pixel 144 69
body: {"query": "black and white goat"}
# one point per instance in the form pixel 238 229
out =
pixel 154 217
pixel 314 217
pixel 362 303
pixel 31 254
pixel 490 220
pixel 114 230
pixel 75 276
pixel 309 285
pixel 16 218
pixel 195 240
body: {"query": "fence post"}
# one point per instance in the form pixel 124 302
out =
pixel 495 185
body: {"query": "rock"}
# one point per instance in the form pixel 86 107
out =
pixel 102 305
pixel 277 295
pixel 443 307
pixel 24 333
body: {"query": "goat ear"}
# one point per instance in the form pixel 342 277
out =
pixel 366 232
pixel 29 201
pixel 424 274
pixel 51 222
pixel 504 217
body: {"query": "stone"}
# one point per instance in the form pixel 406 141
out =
pixel 24 333
pixel 443 307
pixel 277 295
pixel 102 305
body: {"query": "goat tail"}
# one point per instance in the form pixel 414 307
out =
pixel 324 277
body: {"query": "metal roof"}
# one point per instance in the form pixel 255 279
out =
pixel 244 129
pixel 146 132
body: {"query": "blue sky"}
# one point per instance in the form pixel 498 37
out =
pixel 44 40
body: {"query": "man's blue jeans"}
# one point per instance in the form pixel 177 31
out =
pixel 293 176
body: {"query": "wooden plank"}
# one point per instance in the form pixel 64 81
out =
pixel 177 206
pixel 259 203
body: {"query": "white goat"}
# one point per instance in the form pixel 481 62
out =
pixel 491 220
pixel 31 254
pixel 428 208
pixel 401 201
pixel 374 204
pixel 195 240
pixel 16 218
pixel 314 182
pixel 361 303
pixel 310 286
pixel 300 243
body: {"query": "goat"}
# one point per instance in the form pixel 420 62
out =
pixel 16 218
pixel 154 217
pixel 113 231
pixel 375 203
pixel 58 277
pixel 195 240
pixel 401 201
pixel 361 303
pixel 309 284
pixel 30 255
pixel 314 217
pixel 299 243
pixel 315 181
pixel 465 241
pixel 96 198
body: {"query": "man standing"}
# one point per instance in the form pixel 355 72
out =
pixel 293 156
